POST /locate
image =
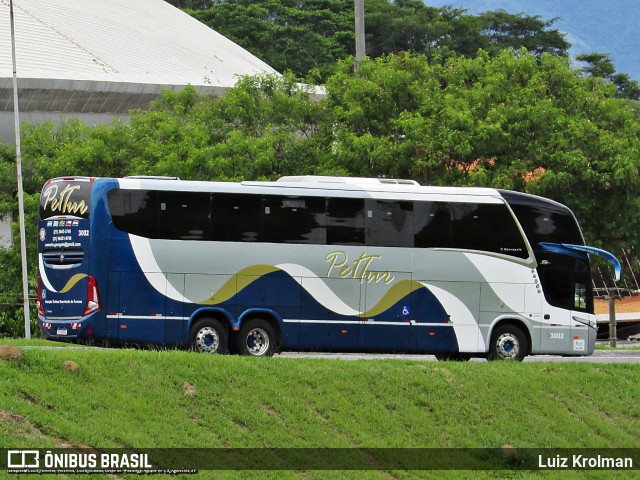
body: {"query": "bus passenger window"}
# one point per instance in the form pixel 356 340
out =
pixel 345 221
pixel 135 211
pixel 184 215
pixel 389 223
pixel 236 218
pixel 293 219
pixel 432 225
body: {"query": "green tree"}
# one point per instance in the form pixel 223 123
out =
pixel 504 30
pixel 194 4
pixel 262 128
pixel 410 25
pixel 288 35
pixel 600 65
pixel 313 34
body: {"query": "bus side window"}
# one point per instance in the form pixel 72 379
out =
pixel 345 221
pixel 486 227
pixel 432 225
pixel 135 211
pixel 184 215
pixel 293 219
pixel 236 218
pixel 389 223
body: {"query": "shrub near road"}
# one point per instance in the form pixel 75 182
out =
pixel 168 399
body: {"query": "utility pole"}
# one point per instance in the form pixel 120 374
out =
pixel 23 236
pixel 613 328
pixel 360 46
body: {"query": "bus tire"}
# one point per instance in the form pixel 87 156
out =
pixel 209 335
pixel 257 338
pixel 508 342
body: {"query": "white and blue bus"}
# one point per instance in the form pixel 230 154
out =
pixel 313 263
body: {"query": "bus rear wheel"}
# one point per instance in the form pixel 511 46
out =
pixel 209 335
pixel 257 338
pixel 508 342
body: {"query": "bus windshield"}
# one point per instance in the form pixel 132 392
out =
pixel 566 279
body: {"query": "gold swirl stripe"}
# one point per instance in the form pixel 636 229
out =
pixel 72 282
pixel 239 282
pixel 247 276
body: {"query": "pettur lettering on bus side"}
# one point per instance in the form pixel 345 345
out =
pixel 61 202
pixel 359 268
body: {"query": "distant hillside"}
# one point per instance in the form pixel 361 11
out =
pixel 603 26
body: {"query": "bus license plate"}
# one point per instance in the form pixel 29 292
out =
pixel 61 331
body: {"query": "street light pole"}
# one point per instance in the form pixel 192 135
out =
pixel 360 46
pixel 23 236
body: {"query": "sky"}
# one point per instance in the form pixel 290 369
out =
pixel 604 26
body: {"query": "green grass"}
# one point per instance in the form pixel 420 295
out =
pixel 137 398
pixel 36 342
pixel 623 346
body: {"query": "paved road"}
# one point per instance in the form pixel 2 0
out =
pixel 621 355
pixel 599 356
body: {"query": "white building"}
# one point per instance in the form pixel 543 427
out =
pixel 97 59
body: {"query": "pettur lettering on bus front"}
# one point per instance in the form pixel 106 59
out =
pixel 360 268
pixel 61 202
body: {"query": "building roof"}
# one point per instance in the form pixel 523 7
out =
pixel 106 57
pixel 131 41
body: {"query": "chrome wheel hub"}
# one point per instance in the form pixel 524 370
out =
pixel 207 340
pixel 257 342
pixel 508 346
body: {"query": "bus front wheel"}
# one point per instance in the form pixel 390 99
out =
pixel 257 338
pixel 209 335
pixel 508 342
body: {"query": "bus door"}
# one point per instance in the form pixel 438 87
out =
pixel 385 276
pixel 386 322
pixel 565 282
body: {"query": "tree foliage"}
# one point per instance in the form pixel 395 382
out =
pixel 600 65
pixel 304 35
pixel 288 35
